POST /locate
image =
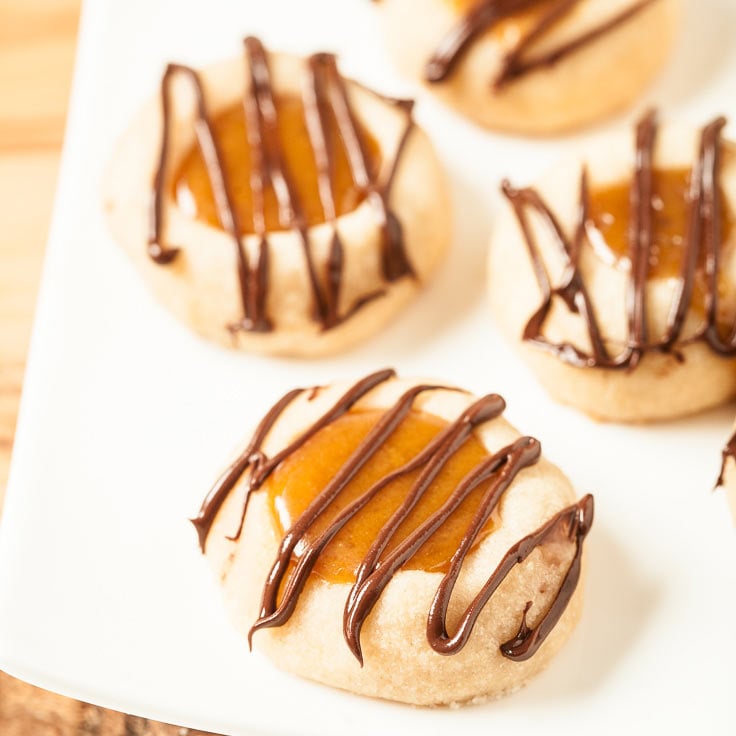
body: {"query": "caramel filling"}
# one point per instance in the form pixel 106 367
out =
pixel 609 221
pixel 193 193
pixel 301 477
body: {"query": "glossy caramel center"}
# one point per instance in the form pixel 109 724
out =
pixel 610 211
pixel 300 478
pixel 191 182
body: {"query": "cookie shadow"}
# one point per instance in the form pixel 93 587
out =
pixel 458 286
pixel 461 282
pixel 704 44
pixel 618 604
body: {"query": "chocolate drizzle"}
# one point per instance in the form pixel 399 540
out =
pixel 704 237
pixel 289 574
pixel 324 94
pixel 486 14
pixel 729 452
pixel 253 458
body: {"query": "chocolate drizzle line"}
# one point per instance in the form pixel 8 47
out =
pixel 576 520
pixel 286 580
pixel 704 232
pixel 486 14
pixel 729 451
pixel 253 458
pixel 324 94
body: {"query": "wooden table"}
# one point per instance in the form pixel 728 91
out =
pixel 37 42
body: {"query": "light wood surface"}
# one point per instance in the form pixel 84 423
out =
pixel 37 43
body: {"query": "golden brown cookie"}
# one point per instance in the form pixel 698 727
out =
pixel 398 539
pixel 274 206
pixel 615 275
pixel 531 66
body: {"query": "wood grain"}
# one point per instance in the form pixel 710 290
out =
pixel 28 711
pixel 37 43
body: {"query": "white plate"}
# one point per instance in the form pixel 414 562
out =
pixel 127 419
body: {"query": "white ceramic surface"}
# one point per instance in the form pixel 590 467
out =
pixel 127 419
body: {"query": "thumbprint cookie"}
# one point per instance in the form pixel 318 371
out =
pixel 398 539
pixel 275 206
pixel 615 275
pixel 531 66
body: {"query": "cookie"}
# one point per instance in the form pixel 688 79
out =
pixel 398 539
pixel 276 207
pixel 615 275
pixel 531 66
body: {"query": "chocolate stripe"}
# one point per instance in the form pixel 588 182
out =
pixel 640 237
pixel 572 289
pixel 729 451
pixel 515 66
pixel 481 411
pixel 252 457
pixel 261 467
pixel 577 520
pixel 226 213
pixel 316 115
pixel 481 17
pixel 711 212
pixel 486 14
pixel 501 468
pixel 271 615
pixel 395 262
pixel 291 213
